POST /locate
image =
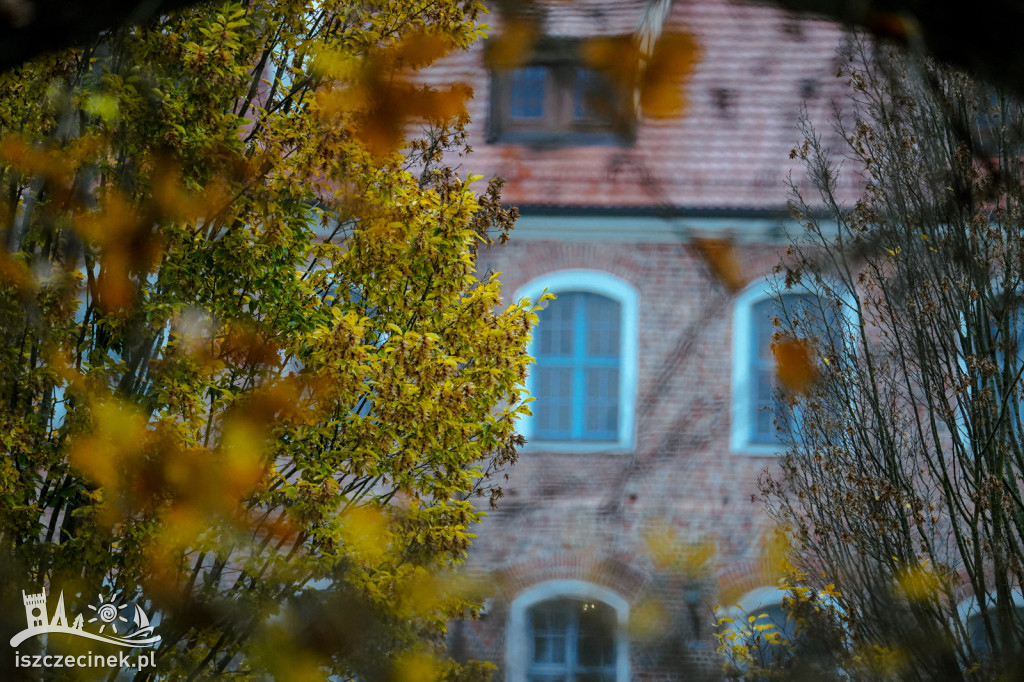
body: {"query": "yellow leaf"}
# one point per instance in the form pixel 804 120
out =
pixel 512 47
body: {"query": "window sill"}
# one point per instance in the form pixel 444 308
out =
pixel 570 447
pixel 553 139
pixel 748 449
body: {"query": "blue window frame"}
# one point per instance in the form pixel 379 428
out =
pixel 585 348
pixel 572 640
pixel 744 623
pixel 532 94
pixel 760 420
pixel 527 92
pixel 769 418
pixel 762 365
pixel 973 613
pixel 588 95
pixel 1008 349
pixel 562 630
pixel 578 352
pixel 555 99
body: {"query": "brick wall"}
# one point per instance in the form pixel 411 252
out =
pixel 718 170
pixel 590 516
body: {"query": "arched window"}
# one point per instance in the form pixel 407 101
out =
pixel 978 632
pixel 567 630
pixel 764 603
pixel 978 635
pixel 759 420
pixel 584 377
pixel 762 611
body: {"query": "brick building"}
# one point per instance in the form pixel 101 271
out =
pixel 629 514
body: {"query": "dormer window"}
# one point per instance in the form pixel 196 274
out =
pixel 555 99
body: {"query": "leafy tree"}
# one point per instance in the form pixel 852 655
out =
pixel 245 351
pixel 903 480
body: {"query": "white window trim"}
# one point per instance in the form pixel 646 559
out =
pixel 961 423
pixel 743 339
pixel 969 607
pixel 517 649
pixel 758 600
pixel 621 291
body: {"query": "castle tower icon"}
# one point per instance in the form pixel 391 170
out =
pixel 35 608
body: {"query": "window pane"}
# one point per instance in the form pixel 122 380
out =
pixel 596 647
pixel 603 316
pixel 602 403
pixel 553 407
pixel 802 310
pixel 776 616
pixel 573 640
pixel 591 95
pixel 550 626
pixel 550 629
pixel 555 326
pixel 769 417
pixel 1017 326
pixel 526 94
pixel 763 312
pixel 764 407
pixel 577 346
pixel 1008 347
pixel 807 311
pixel 762 414
pixel 976 634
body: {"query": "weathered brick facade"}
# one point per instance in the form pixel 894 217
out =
pixel 595 516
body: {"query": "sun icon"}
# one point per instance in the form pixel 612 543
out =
pixel 108 613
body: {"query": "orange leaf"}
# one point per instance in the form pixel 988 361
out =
pixel 662 89
pixel 721 259
pixel 794 363
pixel 512 47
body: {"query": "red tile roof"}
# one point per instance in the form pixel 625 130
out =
pixel 728 151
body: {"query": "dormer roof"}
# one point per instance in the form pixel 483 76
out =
pixel 729 150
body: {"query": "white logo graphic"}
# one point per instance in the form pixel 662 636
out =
pixel 107 614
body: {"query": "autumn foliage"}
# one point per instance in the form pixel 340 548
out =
pixel 249 372
pixel 902 484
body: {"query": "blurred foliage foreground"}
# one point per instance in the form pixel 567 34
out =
pixel 244 351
